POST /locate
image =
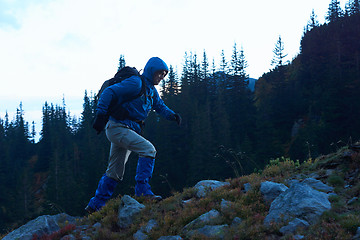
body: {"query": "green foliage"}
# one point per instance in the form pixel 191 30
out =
pixel 336 180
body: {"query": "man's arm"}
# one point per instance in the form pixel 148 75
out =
pixel 163 110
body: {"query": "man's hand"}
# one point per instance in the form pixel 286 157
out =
pixel 177 118
pixel 100 122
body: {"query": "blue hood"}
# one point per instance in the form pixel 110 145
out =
pixel 153 65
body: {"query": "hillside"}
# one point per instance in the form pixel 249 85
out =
pixel 240 208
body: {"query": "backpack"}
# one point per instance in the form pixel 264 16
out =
pixel 114 109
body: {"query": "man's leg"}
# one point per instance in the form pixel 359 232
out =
pixel 144 172
pixel 136 143
pixel 114 173
pixel 103 193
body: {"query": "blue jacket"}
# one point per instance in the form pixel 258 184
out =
pixel 138 108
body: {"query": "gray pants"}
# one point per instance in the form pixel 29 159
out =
pixel 124 141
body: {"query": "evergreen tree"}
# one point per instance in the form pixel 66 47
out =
pixel 122 62
pixel 204 68
pixel 313 22
pixel 334 11
pixel 279 55
pixel 353 7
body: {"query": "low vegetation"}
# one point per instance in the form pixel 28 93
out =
pixel 339 169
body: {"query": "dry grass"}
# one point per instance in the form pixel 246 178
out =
pixel 172 214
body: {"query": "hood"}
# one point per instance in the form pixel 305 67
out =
pixel 153 65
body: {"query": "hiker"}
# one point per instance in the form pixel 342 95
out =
pixel 124 133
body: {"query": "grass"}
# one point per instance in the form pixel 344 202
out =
pixel 172 214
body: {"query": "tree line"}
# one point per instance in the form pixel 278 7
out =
pixel 299 109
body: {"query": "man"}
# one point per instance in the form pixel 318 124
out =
pixel 124 132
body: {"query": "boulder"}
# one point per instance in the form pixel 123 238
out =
pixel 204 187
pixel 141 234
pixel 225 206
pixel 45 224
pixel 129 209
pixel 318 185
pixel 212 232
pixel 210 218
pixel 299 201
pixel 293 226
pixel 357 235
pixel 271 190
pixel 247 187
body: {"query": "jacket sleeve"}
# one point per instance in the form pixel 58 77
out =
pixel 160 107
pixel 122 91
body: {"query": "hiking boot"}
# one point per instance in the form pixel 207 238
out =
pixel 89 210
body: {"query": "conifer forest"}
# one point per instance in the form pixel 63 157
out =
pixel 299 109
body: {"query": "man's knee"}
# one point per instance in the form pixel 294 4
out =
pixel 149 151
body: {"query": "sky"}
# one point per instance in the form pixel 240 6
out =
pixel 52 50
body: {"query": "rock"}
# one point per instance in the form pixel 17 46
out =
pixel 293 226
pixel 139 235
pixel 206 186
pixel 176 237
pixel 298 237
pixel 68 237
pixel 353 200
pixel 291 181
pixel 271 190
pixel 357 235
pixel 225 206
pixel 97 225
pixel 150 226
pixel 129 208
pixel 247 187
pixel 186 202
pixel 210 218
pixel 318 185
pixel 212 232
pixel 236 222
pixel 45 224
pixel 299 201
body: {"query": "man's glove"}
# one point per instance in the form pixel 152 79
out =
pixel 100 122
pixel 177 118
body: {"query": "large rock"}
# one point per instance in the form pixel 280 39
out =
pixel 208 231
pixel 293 226
pixel 212 217
pixel 45 224
pixel 271 190
pixel 204 187
pixel 318 185
pixel 129 209
pixel 141 234
pixel 299 201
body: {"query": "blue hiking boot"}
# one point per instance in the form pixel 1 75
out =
pixel 144 170
pixel 103 193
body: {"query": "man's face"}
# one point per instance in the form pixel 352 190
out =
pixel 158 76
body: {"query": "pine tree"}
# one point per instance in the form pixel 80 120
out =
pixel 122 62
pixel 353 7
pixel 204 67
pixel 313 22
pixel 334 11
pixel 279 55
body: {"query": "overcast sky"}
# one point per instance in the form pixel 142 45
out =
pixel 55 48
